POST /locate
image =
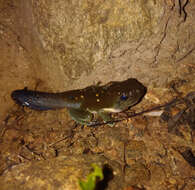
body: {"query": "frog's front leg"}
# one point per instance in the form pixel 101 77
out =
pixel 81 116
pixel 106 118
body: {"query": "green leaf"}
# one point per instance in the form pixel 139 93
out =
pixel 90 183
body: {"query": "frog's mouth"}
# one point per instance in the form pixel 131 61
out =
pixel 113 110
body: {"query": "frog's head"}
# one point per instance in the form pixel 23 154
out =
pixel 127 94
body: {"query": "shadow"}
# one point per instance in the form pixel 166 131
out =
pixel 108 175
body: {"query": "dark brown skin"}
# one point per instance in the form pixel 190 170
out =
pixel 112 97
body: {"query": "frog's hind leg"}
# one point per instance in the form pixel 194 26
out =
pixel 106 118
pixel 81 116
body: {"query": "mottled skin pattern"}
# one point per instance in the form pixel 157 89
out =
pixel 83 103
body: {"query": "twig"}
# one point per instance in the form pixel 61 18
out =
pixel 137 114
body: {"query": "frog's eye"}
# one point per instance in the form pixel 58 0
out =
pixel 123 97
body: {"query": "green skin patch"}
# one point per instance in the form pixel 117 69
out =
pixel 83 103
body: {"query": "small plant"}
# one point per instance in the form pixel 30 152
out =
pixel 90 183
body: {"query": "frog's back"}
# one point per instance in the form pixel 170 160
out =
pixel 114 96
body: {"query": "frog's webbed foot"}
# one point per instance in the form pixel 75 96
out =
pixel 106 118
pixel 81 116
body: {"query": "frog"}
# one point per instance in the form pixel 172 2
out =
pixel 82 104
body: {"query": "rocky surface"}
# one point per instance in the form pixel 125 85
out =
pixel 61 45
